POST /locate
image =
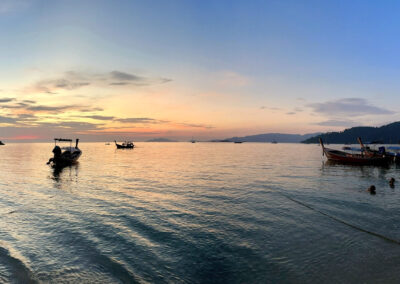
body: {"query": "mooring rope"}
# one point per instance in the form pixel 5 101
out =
pixel 343 222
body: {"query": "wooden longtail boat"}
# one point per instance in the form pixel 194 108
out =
pixel 124 145
pixel 367 157
pixel 64 156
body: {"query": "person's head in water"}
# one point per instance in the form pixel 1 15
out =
pixel 391 182
pixel 372 189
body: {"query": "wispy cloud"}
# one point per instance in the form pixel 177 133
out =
pixel 119 84
pixel 122 76
pixel 40 120
pixel 337 123
pixel 73 80
pixel 270 108
pixel 4 119
pixel 6 100
pixel 195 125
pixel 348 106
pixel 137 120
pixel 62 108
pixel 99 117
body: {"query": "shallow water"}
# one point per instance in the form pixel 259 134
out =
pixel 195 213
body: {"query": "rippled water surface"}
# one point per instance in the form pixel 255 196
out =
pixel 191 213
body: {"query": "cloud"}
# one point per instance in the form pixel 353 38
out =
pixel 291 113
pixel 72 80
pixel 122 76
pixel 165 80
pixel 119 84
pixel 42 108
pixel 334 122
pixel 194 125
pixel 4 119
pixel 46 121
pixel 270 108
pixel 136 120
pixel 91 109
pixel 62 108
pixel 26 117
pixel 78 125
pixel 348 106
pixel 48 86
pixel 6 100
pixel 99 117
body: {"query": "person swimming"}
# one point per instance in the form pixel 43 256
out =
pixel 391 182
pixel 372 189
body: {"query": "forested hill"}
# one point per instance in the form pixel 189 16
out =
pixel 387 134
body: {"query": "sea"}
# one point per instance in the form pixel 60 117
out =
pixel 196 213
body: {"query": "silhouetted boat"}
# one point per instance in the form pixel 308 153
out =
pixel 108 143
pixel 367 157
pixel 64 156
pixel 1 143
pixel 238 142
pixel 274 142
pixel 124 145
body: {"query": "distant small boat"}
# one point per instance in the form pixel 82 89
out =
pixel 192 140
pixel 108 143
pixel 238 142
pixel 125 145
pixel 1 143
pixel 64 156
pixel 274 142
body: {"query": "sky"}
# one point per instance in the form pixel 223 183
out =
pixel 113 69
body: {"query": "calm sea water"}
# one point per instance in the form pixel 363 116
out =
pixel 195 213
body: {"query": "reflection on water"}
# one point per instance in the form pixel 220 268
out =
pixel 191 213
pixel 65 174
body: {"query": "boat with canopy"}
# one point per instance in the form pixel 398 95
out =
pixel 64 156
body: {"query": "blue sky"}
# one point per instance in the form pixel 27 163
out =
pixel 208 69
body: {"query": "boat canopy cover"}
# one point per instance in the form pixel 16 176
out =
pixel 62 139
pixel 396 148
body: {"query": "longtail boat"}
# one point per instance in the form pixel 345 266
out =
pixel 64 156
pixel 367 157
pixel 125 145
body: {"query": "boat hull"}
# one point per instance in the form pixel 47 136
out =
pixel 343 157
pixel 124 147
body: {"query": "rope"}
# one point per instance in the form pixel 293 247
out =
pixel 343 222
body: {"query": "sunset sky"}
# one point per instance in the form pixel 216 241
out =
pixel 105 70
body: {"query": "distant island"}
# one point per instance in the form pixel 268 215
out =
pixel 387 134
pixel 270 138
pixel 160 140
